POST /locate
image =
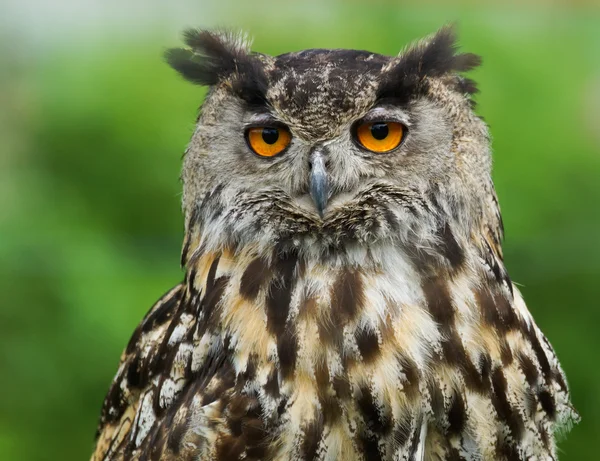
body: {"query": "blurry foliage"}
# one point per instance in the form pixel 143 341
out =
pixel 90 225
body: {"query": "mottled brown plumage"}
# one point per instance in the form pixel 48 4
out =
pixel 385 329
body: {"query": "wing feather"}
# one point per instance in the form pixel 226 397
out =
pixel 122 400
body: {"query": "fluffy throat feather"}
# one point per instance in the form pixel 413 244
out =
pixel 378 216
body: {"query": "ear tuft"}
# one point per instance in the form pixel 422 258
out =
pixel 192 69
pixel 212 55
pixel 218 56
pixel 438 55
pixel 432 57
pixel 224 44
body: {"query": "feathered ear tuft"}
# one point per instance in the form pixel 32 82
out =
pixel 432 57
pixel 438 55
pixel 216 56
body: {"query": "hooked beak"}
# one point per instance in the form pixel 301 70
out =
pixel 319 184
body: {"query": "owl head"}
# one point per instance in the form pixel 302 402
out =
pixel 330 150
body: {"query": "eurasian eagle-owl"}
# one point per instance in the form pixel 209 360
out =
pixel 345 296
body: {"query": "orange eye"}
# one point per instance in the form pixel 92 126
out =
pixel 380 136
pixel 268 141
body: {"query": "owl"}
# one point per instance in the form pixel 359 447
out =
pixel 345 296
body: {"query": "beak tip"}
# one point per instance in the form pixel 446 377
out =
pixel 320 201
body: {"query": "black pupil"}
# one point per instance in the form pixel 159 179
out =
pixel 379 130
pixel 270 135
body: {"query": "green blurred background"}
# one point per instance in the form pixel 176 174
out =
pixel 93 126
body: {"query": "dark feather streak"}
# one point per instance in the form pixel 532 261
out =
pixel 254 278
pixel 368 344
pixel 502 406
pixel 312 436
